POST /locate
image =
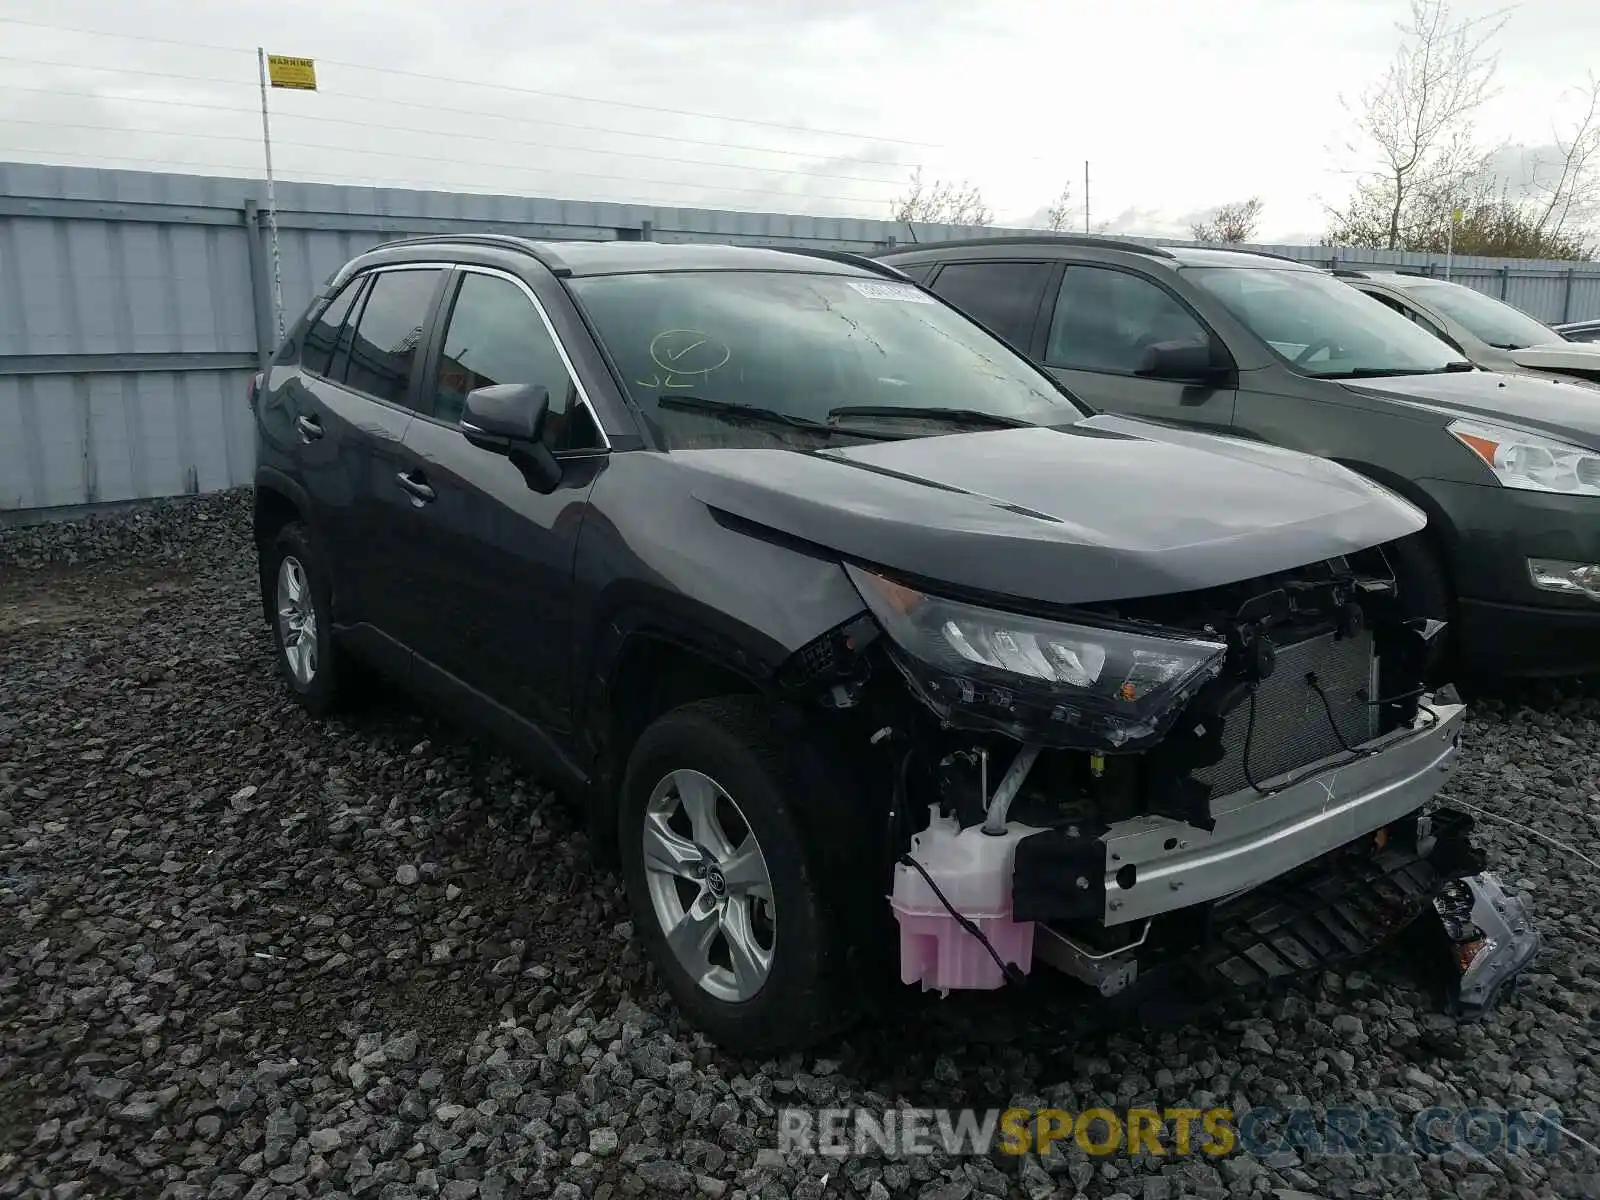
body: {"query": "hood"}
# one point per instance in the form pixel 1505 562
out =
pixel 1559 356
pixel 1562 408
pixel 1104 509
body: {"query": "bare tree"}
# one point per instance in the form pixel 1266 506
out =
pixel 941 202
pixel 1417 121
pixel 1060 214
pixel 1229 223
pixel 1571 198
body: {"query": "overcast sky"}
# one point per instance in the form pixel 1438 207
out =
pixel 1176 106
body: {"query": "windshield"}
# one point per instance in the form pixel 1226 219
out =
pixel 1487 319
pixel 1321 326
pixel 705 354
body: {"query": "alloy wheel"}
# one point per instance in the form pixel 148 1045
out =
pixel 709 885
pixel 297 620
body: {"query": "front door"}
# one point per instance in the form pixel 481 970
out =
pixel 1103 319
pixel 498 556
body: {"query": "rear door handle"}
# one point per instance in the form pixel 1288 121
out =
pixel 310 428
pixel 421 493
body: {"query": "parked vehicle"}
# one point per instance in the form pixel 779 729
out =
pixel 856 634
pixel 1507 467
pixel 1489 332
pixel 1580 331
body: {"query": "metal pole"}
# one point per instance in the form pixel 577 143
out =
pixel 1086 195
pixel 260 293
pixel 1450 240
pixel 272 202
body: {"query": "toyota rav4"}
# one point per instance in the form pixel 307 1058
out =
pixel 863 643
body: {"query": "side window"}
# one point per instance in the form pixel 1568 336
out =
pixel 495 335
pixel 1105 319
pixel 1003 296
pixel 1413 316
pixel 917 271
pixel 316 353
pixel 388 333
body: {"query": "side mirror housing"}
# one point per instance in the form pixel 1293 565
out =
pixel 508 418
pixel 1196 362
pixel 504 414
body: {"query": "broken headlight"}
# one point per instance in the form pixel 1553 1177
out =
pixel 1082 686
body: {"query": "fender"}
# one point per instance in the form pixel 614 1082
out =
pixel 273 480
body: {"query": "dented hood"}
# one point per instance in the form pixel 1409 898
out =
pixel 1108 508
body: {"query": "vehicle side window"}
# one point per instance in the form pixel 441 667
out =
pixel 917 271
pixel 388 333
pixel 495 335
pixel 1105 319
pixel 316 354
pixel 1412 315
pixel 1003 296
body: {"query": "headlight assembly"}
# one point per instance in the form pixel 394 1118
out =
pixel 1036 679
pixel 1531 462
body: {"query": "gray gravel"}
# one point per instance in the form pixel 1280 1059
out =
pixel 246 955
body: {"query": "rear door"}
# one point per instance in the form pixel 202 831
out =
pixel 1096 329
pixel 369 399
pixel 494 595
pixel 307 420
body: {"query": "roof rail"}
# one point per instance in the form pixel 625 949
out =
pixel 504 241
pixel 1350 272
pixel 1035 239
pixel 850 258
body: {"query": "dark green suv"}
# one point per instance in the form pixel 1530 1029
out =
pixel 1507 467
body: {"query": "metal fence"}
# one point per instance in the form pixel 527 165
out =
pixel 134 305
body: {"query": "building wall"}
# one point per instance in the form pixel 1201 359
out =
pixel 134 305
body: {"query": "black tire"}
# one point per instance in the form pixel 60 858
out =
pixel 323 691
pixel 1425 591
pixel 736 742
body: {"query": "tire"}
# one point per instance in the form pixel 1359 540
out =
pixel 727 756
pixel 310 663
pixel 1425 591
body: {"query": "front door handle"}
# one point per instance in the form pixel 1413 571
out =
pixel 310 428
pixel 421 493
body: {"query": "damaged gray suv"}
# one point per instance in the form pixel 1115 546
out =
pixel 865 646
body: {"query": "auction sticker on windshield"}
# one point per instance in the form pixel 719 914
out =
pixel 875 290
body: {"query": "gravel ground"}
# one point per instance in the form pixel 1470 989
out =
pixel 243 954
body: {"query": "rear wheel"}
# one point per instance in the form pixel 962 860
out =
pixel 727 893
pixel 300 614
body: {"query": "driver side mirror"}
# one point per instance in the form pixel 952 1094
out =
pixel 508 418
pixel 1191 362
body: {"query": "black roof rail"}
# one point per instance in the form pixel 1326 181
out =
pixel 1351 273
pixel 850 258
pixel 504 241
pixel 1035 239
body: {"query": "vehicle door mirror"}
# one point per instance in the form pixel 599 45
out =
pixel 508 418
pixel 1195 362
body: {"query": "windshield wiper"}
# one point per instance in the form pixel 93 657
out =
pixel 969 417
pixel 738 411
pixel 1449 368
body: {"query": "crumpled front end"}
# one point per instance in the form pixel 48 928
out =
pixel 1111 788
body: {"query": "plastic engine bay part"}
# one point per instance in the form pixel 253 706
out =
pixel 1492 940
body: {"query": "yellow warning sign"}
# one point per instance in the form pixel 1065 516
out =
pixel 297 73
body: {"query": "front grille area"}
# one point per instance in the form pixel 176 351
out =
pixel 1291 725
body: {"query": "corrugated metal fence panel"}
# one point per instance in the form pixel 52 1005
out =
pixel 98 438
pixel 99 267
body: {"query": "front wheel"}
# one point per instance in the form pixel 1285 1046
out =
pixel 1424 591
pixel 725 891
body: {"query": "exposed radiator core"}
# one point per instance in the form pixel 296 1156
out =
pixel 1291 724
